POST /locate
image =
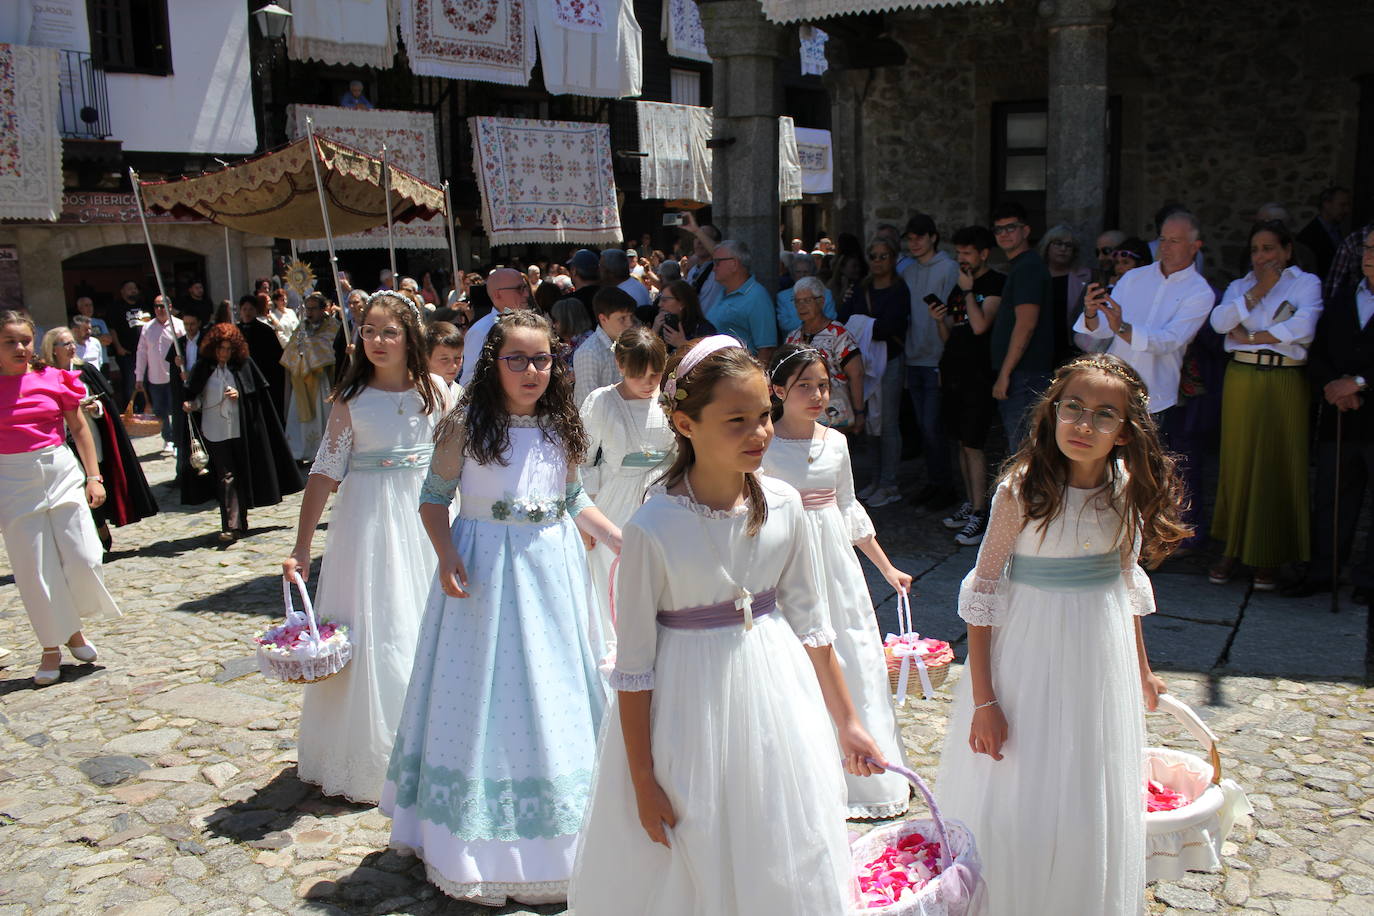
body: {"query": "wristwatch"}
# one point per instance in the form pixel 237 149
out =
pixel 1123 328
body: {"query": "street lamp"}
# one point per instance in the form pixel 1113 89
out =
pixel 272 21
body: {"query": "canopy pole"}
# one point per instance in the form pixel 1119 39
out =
pixel 452 248
pixel 147 237
pixel 390 239
pixel 328 233
pixel 228 268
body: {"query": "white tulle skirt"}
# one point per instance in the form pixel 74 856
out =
pixel 375 577
pixel 745 751
pixel 1060 820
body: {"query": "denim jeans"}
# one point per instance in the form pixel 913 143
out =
pixel 923 384
pixel 160 397
pixel 890 433
pixel 1025 387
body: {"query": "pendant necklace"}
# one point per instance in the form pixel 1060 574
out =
pixel 641 433
pixel 744 599
pixel 400 401
pixel 810 458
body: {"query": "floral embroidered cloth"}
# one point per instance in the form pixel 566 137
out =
pixel 409 139
pixel 678 164
pixel 682 30
pixel 813 60
pixel 580 15
pixel 349 33
pixel 804 10
pixel 789 162
pixel 545 181
pixel 605 63
pixel 30 147
pixel 488 40
pixel 813 154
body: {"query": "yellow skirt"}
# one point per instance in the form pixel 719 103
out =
pixel 1262 501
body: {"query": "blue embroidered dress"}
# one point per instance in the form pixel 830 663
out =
pixel 493 760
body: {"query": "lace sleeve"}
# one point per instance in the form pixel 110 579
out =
pixel 983 593
pixel 446 466
pixel 856 518
pixel 1140 593
pixel 336 447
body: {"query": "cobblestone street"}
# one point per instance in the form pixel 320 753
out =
pixel 161 779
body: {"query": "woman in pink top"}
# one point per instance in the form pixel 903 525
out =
pixel 48 533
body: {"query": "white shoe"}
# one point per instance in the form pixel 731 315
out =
pixel 867 492
pixel 958 519
pixel 44 677
pixel 84 653
pixel 168 450
pixel 885 496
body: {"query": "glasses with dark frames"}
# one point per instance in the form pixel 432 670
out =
pixel 519 362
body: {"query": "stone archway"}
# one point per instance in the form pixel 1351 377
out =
pixel 99 272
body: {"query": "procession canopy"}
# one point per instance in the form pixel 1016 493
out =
pixel 785 11
pixel 275 194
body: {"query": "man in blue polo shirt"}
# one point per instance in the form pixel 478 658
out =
pixel 745 311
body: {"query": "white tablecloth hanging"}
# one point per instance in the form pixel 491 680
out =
pixel 784 11
pixel 813 60
pixel 817 169
pixel 348 33
pixel 30 147
pixel 681 28
pixel 789 162
pixel 487 40
pixel 678 164
pixel 578 59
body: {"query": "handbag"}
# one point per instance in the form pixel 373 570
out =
pixel 139 425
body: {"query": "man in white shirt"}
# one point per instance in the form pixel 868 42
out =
pixel 1154 311
pixel 88 347
pixel 508 290
pixel 615 271
pixel 150 364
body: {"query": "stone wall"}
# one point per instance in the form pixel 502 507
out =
pixel 1225 104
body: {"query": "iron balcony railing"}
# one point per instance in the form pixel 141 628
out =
pixel 85 100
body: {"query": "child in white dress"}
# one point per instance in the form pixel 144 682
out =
pixel 718 787
pixel 1044 755
pixel 628 431
pixel 493 760
pixel 374 575
pixel 815 460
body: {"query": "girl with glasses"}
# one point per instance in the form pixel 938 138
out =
pixel 492 764
pixel 375 573
pixel 1049 712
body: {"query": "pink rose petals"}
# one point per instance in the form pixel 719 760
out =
pixel 1159 797
pixel 901 869
pixel 288 637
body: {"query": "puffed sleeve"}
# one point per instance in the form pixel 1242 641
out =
pixel 1140 593
pixel 856 518
pixel 983 593
pixel 799 591
pixel 70 390
pixel 639 588
pixel 446 465
pixel 336 447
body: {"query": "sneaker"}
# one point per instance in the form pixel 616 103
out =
pixel 971 534
pixel 958 519
pixel 168 450
pixel 867 492
pixel 885 496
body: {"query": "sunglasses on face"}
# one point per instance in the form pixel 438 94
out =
pixel 519 362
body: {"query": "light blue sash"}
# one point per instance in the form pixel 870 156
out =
pixel 396 459
pixel 1066 574
pixel 641 460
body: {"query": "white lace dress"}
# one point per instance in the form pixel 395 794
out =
pixel 634 442
pixel 742 743
pixel 1060 820
pixel 374 577
pixel 836 520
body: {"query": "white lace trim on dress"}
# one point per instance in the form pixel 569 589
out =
pixel 332 459
pixel 817 637
pixel 1140 593
pixel 983 602
pixel 687 502
pixel 632 683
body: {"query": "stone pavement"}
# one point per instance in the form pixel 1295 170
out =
pixel 160 780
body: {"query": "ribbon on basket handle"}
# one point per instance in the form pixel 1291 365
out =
pixel 957 882
pixel 305 602
pixel 908 653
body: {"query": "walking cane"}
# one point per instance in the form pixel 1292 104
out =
pixel 1336 523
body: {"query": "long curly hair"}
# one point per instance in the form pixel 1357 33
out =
pixel 222 333
pixel 482 413
pixel 694 392
pixel 360 370
pixel 1142 477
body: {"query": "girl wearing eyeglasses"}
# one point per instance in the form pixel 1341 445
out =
pixel 376 568
pixel 492 764
pixel 1042 757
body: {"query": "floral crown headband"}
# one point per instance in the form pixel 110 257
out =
pixel 801 351
pixel 704 348
pixel 383 293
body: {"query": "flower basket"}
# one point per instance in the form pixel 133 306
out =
pixel 138 425
pixel 302 650
pixel 1189 837
pixel 911 654
pixel 944 880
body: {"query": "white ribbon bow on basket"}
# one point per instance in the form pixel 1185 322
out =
pixel 907 652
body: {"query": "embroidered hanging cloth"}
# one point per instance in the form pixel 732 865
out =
pixel 813 152
pixel 813 61
pixel 603 63
pixel 784 11
pixel 410 145
pixel 789 162
pixel 30 145
pixel 347 33
pixel 678 164
pixel 545 181
pixel 487 40
pixel 681 28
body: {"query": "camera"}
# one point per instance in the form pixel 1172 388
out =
pixel 674 219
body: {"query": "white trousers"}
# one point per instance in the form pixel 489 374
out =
pixel 51 541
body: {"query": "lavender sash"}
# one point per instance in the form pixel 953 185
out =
pixel 817 499
pixel 716 616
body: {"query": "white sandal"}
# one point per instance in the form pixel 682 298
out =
pixel 44 677
pixel 84 653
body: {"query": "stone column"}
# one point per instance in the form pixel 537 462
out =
pixel 747 97
pixel 846 149
pixel 1076 177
